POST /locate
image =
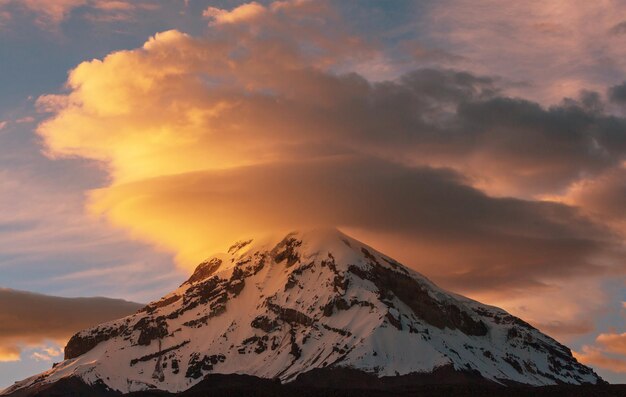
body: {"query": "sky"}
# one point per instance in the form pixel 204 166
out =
pixel 480 142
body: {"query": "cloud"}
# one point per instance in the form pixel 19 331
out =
pixel 602 197
pixel 27 119
pixel 28 319
pixel 619 28
pixel 50 13
pixel 254 128
pixel 55 10
pixel 617 93
pixel 114 5
pixel 243 13
pixel 432 117
pixel 9 353
pixel 549 45
pixel 47 353
pixel 445 219
pixel 608 353
pixel 613 343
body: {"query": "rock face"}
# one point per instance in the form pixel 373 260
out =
pixel 307 303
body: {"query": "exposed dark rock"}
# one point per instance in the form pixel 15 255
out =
pixel 512 333
pixel 369 256
pixel 197 366
pixel 340 331
pixel 290 316
pixel 238 245
pixel 340 282
pixel 80 344
pixel 259 341
pixel 254 267
pixel 294 275
pixel 396 266
pixel 264 323
pixel 394 321
pixel 338 304
pixel 200 294
pixel 235 286
pixel 152 307
pixel 205 270
pixel 149 357
pixel 150 329
pixel 513 363
pixel 295 350
pixel 441 315
pixel 287 250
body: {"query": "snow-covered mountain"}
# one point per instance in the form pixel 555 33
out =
pixel 311 300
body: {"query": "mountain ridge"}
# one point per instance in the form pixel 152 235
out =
pixel 312 300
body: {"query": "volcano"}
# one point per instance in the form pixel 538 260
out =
pixel 315 307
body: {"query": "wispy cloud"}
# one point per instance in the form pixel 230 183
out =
pixel 551 44
pixel 50 13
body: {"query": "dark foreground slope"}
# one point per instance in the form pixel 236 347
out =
pixel 342 384
pixel 346 383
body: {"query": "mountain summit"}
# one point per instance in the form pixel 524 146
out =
pixel 308 305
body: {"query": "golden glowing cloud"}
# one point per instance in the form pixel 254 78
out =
pixel 9 353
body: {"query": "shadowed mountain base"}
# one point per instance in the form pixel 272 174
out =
pixel 340 384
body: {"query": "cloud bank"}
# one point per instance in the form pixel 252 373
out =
pixel 28 319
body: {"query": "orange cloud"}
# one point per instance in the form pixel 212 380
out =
pixel 613 343
pixel 601 197
pixel 243 13
pixel 608 353
pixel 9 353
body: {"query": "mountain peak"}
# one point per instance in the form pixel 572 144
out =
pixel 281 307
pixel 297 245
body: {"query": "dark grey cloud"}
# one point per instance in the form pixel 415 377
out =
pixel 618 29
pixel 617 93
pixel 456 119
